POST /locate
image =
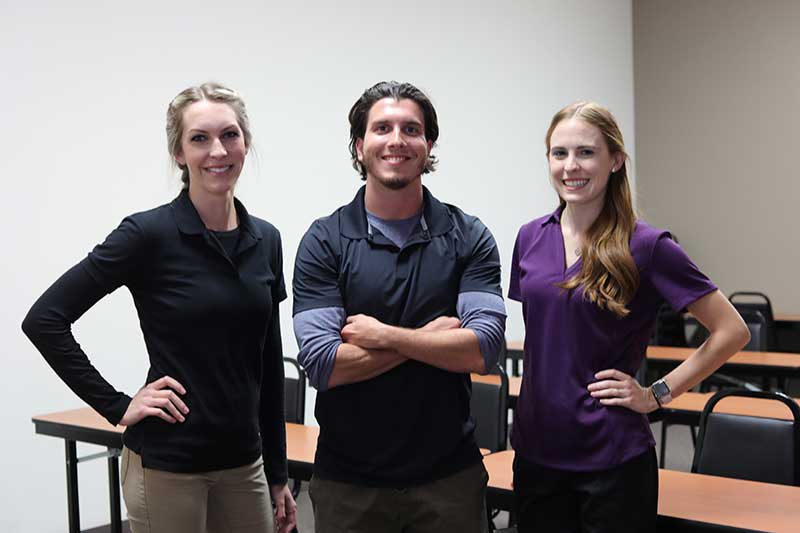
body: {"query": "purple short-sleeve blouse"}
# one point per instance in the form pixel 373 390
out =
pixel 568 339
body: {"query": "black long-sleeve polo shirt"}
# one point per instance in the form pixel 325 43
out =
pixel 209 320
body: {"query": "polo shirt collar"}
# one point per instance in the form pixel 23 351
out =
pixel 555 216
pixel 354 216
pixel 189 222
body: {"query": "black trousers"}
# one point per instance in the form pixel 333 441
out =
pixel 620 500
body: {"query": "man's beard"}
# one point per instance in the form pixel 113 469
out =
pixel 395 183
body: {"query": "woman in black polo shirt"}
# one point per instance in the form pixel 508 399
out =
pixel 206 279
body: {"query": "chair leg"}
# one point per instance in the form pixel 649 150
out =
pixel 663 457
pixel 693 431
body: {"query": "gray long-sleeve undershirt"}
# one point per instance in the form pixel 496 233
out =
pixel 318 333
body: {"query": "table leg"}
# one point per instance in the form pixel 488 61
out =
pixel 73 510
pixel 113 493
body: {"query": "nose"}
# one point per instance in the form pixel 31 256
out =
pixel 218 149
pixel 396 137
pixel 571 164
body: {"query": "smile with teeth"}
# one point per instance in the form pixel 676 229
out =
pixel 219 170
pixel 574 183
pixel 395 158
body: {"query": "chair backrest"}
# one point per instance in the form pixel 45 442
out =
pixel 489 408
pixel 759 330
pixel 757 301
pixel 294 391
pixel 670 328
pixel 749 447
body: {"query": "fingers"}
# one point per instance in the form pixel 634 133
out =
pixel 167 381
pixel 280 509
pixel 174 400
pixel 611 373
pixel 160 413
pixel 606 384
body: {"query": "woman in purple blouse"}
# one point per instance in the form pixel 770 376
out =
pixel 591 277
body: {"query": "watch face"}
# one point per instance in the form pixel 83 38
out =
pixel 660 388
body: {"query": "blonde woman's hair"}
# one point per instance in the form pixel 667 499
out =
pixel 210 91
pixel 609 277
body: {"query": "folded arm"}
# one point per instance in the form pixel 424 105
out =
pixel 469 344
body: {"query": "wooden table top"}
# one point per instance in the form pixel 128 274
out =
pixel 709 499
pixel 301 440
pixel 774 359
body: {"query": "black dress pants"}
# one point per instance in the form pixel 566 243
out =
pixel 620 500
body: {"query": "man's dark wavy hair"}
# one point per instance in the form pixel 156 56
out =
pixel 398 91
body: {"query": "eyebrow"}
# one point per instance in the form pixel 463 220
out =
pixel 579 147
pixel 387 121
pixel 201 130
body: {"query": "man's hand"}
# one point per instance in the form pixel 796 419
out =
pixel 365 332
pixel 442 323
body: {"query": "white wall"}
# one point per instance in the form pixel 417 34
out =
pixel 85 91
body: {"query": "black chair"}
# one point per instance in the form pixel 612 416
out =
pixel 745 301
pixel 294 391
pixel 757 325
pixel 489 408
pixel 749 447
pixel 670 328
pixel 516 357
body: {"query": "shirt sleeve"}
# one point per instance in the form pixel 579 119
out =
pixel 485 315
pixel 513 285
pixel 675 276
pixel 482 269
pixel 318 334
pixel 49 326
pixel 316 272
pixel 121 258
pixel 272 414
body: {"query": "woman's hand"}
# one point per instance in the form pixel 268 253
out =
pixel 285 508
pixel 618 388
pixel 159 399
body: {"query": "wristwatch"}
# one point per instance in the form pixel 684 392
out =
pixel 661 392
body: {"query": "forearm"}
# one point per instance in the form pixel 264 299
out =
pixel 728 334
pixel 354 364
pixel 454 350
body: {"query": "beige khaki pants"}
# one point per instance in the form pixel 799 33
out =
pixel 235 500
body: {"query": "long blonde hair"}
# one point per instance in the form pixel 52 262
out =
pixel 609 277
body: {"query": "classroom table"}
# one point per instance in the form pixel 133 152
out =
pixel 779 365
pixel 685 498
pixel 86 425
pixel 689 501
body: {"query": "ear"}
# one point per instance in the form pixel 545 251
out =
pixel 430 146
pixel 620 159
pixel 180 159
pixel 360 149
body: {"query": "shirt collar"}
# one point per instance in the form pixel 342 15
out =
pixel 555 216
pixel 188 219
pixel 354 216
